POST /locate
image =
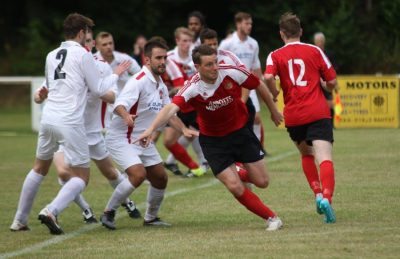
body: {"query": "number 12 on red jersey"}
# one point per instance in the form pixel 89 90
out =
pixel 299 80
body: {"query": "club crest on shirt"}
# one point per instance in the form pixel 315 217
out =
pixel 228 85
pixel 161 94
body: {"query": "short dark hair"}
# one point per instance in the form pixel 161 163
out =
pixel 240 16
pixel 207 34
pixel 153 43
pixel 290 25
pixel 102 35
pixel 202 50
pixel 199 16
pixel 160 39
pixel 74 23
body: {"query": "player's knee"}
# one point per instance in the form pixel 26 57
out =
pixel 137 178
pixel 168 143
pixel 109 173
pixel 235 187
pixel 64 175
pixel 261 182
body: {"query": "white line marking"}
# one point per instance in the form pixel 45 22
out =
pixel 13 134
pixel 86 228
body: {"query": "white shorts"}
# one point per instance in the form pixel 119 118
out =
pixel 97 150
pixel 74 140
pixel 254 98
pixel 127 155
pixel 97 146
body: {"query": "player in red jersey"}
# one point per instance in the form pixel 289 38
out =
pixel 307 117
pixel 215 93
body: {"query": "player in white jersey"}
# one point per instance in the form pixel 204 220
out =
pixel 136 106
pixel 70 73
pixel 97 148
pixel 106 51
pixel 247 50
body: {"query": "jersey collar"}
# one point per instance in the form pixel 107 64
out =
pixel 150 75
pixel 69 43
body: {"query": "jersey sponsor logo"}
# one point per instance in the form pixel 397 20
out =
pixel 215 105
pixel 155 106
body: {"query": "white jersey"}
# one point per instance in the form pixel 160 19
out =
pixel 175 74
pixel 143 96
pixel 186 65
pixel 229 58
pixel 118 59
pixel 247 51
pixel 93 115
pixel 70 73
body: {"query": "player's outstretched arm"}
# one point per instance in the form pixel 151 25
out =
pixel 177 123
pixel 128 118
pixel 163 116
pixel 271 84
pixel 263 91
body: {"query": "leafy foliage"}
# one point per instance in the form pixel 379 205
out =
pixel 363 35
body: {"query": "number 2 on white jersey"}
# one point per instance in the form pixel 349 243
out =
pixel 299 81
pixel 62 54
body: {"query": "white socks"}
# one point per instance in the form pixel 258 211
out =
pixel 120 178
pixel 154 198
pixel 120 194
pixel 66 195
pixel 27 196
pixel 199 152
pixel 79 200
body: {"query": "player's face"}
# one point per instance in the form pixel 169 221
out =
pixel 184 42
pixel 157 61
pixel 194 24
pixel 245 26
pixel 213 43
pixel 89 42
pixel 105 46
pixel 208 68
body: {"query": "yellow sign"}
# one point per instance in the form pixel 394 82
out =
pixel 365 102
pixel 368 102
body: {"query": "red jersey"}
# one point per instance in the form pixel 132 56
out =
pixel 300 67
pixel 219 107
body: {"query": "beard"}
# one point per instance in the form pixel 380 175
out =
pixel 158 70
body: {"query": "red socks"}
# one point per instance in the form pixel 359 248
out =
pixel 243 174
pixel 311 172
pixel 327 179
pixel 182 155
pixel 253 203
